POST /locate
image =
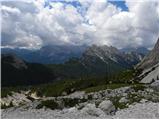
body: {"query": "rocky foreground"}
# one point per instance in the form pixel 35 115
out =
pixel 126 102
pixel 148 110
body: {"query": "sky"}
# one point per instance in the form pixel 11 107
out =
pixel 32 24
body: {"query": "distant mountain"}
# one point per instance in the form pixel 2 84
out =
pixel 98 61
pixel 75 61
pixel 141 50
pixel 16 71
pixel 22 53
pixel 150 59
pixel 106 54
pixel 48 54
pixel 57 54
pixel 103 59
pixel 132 58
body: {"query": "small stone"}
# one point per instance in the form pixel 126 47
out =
pixel 64 93
pixel 123 100
pixel 143 101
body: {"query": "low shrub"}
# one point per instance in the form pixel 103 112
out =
pixel 48 104
pixel 68 102
pixel 3 106
pixel 138 87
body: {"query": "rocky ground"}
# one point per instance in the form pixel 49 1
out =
pixel 148 110
pixel 125 102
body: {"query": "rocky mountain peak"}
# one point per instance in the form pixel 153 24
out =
pixel 150 59
pixel 109 53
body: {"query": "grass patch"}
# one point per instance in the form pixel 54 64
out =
pixel 104 87
pixel 138 87
pixel 54 89
pixel 69 85
pixel 48 104
pixel 117 104
pixel 66 102
pixel 89 83
pixel 132 98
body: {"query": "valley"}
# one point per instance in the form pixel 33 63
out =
pixel 79 59
pixel 81 87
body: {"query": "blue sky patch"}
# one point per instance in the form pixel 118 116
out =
pixel 119 4
pixel 73 3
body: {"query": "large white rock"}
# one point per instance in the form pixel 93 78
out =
pixel 107 106
pixel 91 109
pixel 153 75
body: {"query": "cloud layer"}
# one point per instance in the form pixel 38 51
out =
pixel 34 24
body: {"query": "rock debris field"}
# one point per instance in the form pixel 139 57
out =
pixel 137 111
pixel 123 103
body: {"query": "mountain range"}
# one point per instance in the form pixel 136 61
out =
pixel 55 54
pixel 106 54
pixel 47 54
pixel 65 62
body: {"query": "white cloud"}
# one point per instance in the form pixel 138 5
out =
pixel 31 25
pixel 146 20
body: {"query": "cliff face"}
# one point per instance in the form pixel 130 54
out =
pixel 151 59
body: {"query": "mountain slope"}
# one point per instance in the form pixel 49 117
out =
pixel 16 71
pixel 151 59
pixel 149 67
pixel 102 59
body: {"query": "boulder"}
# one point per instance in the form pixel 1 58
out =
pixel 91 109
pixel 72 110
pixel 96 96
pixel 107 106
pixel 155 85
pixel 77 94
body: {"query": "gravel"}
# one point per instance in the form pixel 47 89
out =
pixel 148 110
